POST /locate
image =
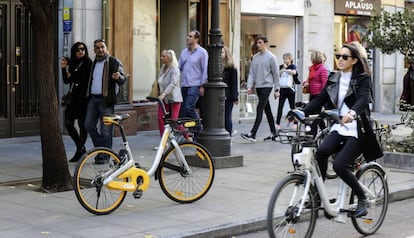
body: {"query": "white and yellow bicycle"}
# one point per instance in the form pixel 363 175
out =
pixel 296 200
pixel 185 170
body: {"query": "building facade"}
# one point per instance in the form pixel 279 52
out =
pixel 138 30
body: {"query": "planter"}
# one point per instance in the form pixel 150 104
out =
pixel 397 160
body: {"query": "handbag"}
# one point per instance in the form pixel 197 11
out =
pixel 155 90
pixel 305 89
pixel 286 80
pixel 67 98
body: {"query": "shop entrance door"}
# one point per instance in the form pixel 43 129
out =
pixel 19 104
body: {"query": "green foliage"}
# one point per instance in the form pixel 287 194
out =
pixel 392 32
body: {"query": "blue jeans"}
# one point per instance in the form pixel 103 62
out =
pixel 190 97
pixel 96 110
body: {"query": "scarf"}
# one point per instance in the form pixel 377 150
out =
pixel 105 73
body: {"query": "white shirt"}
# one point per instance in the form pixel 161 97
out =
pixel 350 128
pixel 97 75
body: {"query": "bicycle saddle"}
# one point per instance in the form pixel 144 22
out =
pixel 331 114
pixel 114 118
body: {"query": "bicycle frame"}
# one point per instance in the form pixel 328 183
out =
pixel 338 210
pixel 129 170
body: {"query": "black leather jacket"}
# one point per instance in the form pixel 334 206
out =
pixel 357 98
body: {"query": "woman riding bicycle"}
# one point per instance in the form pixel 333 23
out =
pixel 349 92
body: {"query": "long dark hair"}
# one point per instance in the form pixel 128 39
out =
pixel 362 65
pixel 74 62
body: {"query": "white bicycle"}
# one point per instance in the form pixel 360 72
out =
pixel 297 198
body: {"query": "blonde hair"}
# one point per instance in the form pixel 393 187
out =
pixel 228 58
pixel 173 58
pixel 316 57
pixel 289 56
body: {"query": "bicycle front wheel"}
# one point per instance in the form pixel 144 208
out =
pixel 88 181
pixel 283 217
pixel 372 177
pixel 182 185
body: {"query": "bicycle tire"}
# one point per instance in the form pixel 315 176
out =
pixel 183 186
pixel 373 177
pixel 282 219
pixel 90 192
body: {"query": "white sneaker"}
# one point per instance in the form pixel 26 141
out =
pixel 233 133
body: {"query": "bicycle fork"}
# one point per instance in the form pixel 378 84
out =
pixel 181 158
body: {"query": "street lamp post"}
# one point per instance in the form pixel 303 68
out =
pixel 214 136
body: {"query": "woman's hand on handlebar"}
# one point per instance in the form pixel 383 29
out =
pixel 347 118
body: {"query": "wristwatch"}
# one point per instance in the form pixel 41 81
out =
pixel 353 114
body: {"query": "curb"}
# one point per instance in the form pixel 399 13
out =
pixel 260 223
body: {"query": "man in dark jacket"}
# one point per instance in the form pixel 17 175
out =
pixel 106 75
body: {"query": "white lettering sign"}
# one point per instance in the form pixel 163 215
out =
pixel 359 5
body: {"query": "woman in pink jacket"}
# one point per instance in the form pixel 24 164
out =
pixel 318 75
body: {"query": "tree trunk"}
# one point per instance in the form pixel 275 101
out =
pixel 56 176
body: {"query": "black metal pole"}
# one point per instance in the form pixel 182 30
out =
pixel 214 136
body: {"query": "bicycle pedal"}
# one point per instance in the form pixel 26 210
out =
pixel 137 194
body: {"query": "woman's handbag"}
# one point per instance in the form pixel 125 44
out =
pixel 286 80
pixel 155 90
pixel 67 98
pixel 305 89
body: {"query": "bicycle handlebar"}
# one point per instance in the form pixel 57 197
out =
pixel 159 101
pixel 299 115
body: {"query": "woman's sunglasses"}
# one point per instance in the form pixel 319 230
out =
pixel 344 57
pixel 80 49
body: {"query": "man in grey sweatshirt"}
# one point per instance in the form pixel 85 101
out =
pixel 263 75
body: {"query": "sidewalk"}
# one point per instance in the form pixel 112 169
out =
pixel 236 203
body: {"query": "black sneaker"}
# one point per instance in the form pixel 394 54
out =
pixel 248 137
pixel 102 159
pixel 361 209
pixel 271 137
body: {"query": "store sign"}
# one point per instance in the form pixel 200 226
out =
pixel 357 7
pixel 273 7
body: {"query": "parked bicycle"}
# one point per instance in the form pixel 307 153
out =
pixel 185 170
pixel 297 198
pixel 383 132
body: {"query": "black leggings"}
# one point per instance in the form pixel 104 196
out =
pixel 71 114
pixel 285 93
pixel 347 149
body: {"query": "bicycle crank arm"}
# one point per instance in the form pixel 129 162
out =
pixel 132 176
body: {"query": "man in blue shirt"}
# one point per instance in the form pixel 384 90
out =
pixel 193 63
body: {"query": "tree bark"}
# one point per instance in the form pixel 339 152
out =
pixel 56 176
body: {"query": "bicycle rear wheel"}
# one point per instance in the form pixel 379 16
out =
pixel 373 178
pixel 185 186
pixel 283 219
pixel 88 182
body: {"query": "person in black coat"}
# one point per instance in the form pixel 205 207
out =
pixel 349 92
pixel 231 92
pixel 75 71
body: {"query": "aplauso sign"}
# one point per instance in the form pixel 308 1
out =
pixel 357 7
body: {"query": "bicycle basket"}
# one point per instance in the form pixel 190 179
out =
pixel 304 159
